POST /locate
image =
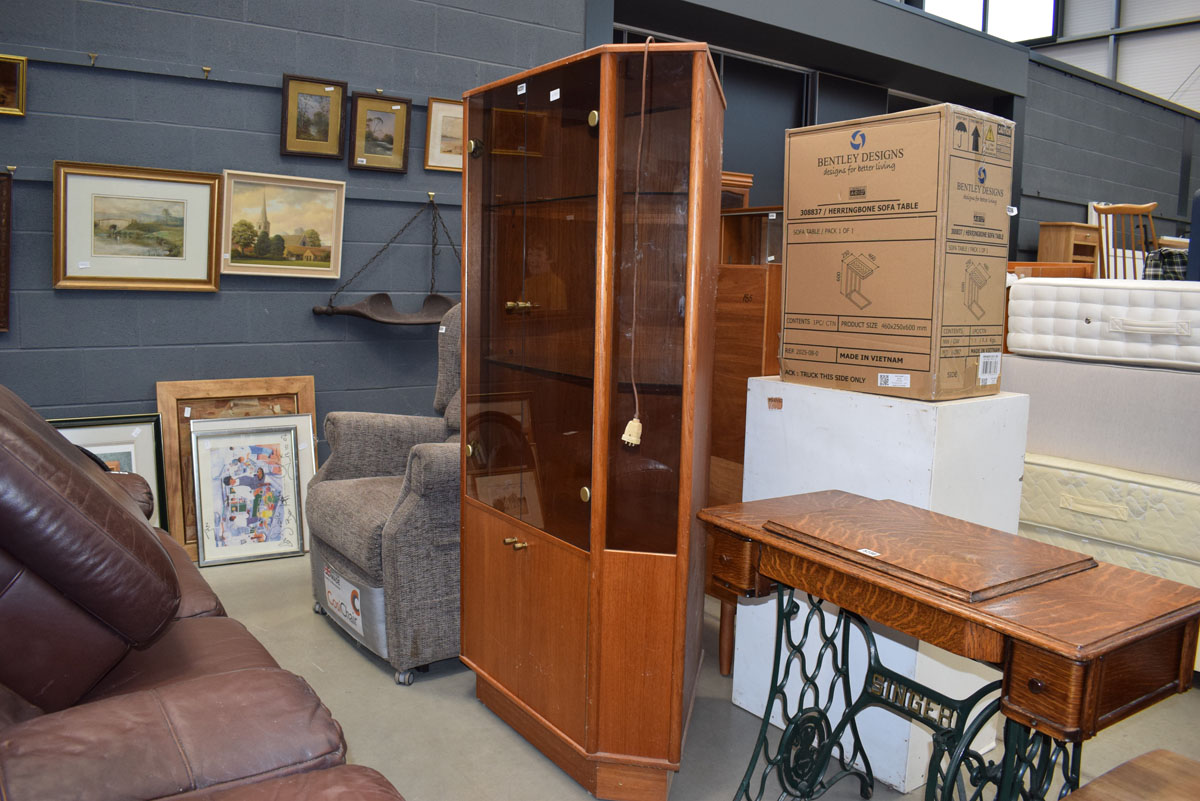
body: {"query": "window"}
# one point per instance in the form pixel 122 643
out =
pixel 1014 20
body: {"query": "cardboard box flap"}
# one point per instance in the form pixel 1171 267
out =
pixel 949 556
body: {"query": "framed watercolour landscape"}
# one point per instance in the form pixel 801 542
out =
pixel 249 477
pixel 444 135
pixel 282 225
pixel 314 118
pixel 135 228
pixel 129 443
pixel 181 402
pixel 379 132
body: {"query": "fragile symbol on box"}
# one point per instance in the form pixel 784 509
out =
pixel 977 276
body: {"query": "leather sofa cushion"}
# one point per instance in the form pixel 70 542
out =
pixel 343 783
pixel 203 733
pixel 191 648
pixel 196 597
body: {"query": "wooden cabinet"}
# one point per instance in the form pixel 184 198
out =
pixel 1077 243
pixel 591 215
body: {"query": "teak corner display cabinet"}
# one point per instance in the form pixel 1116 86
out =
pixel 592 200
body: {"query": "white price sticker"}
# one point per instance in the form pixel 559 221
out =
pixel 989 368
pixel 553 95
pixel 520 89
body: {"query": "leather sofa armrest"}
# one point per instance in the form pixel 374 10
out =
pixel 137 488
pixel 220 730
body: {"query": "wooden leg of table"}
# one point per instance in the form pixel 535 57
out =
pixel 725 650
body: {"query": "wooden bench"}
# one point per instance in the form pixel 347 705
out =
pixel 1159 775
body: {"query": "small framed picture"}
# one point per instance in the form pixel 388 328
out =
pixel 444 135
pixel 12 84
pixel 126 443
pixel 379 132
pixel 515 494
pixel 250 478
pixel 135 228
pixel 282 225
pixel 314 118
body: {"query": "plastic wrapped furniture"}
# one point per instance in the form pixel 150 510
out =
pixel 383 524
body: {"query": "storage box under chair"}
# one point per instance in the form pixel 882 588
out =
pixel 895 253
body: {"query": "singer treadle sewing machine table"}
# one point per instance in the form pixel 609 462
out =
pixel 1079 644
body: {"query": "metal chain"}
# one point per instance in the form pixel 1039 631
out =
pixel 437 218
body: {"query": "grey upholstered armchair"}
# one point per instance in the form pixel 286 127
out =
pixel 383 524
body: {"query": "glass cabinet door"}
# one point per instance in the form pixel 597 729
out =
pixel 531 297
pixel 649 285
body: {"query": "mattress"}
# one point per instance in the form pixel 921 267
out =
pixel 1138 520
pixel 1138 418
pixel 1121 321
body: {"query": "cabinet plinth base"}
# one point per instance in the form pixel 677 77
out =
pixel 601 776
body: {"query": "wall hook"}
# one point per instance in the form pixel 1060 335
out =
pixel 206 71
pixel 378 91
pixel 431 194
pixel 93 57
pixel 12 168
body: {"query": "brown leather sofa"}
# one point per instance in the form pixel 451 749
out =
pixel 120 675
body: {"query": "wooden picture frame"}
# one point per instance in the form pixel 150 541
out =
pixel 514 493
pixel 13 70
pixel 250 478
pixel 256 203
pixel 118 227
pixel 5 244
pixel 379 127
pixel 181 402
pixel 313 117
pixel 444 135
pixel 131 443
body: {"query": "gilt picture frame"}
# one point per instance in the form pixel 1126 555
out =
pixel 444 135
pixel 282 225
pixel 181 402
pixel 13 70
pixel 120 227
pixel 250 477
pixel 313 118
pixel 130 443
pixel 379 132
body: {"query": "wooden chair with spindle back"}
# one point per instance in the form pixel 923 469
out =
pixel 1126 236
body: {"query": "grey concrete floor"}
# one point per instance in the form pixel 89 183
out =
pixel 436 742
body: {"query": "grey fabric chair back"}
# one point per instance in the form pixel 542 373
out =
pixel 445 399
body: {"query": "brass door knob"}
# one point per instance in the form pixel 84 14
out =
pixel 509 540
pixel 470 449
pixel 593 118
pixel 519 545
pixel 585 494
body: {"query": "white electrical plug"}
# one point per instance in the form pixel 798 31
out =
pixel 633 433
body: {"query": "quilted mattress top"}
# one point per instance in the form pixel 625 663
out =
pixel 1123 321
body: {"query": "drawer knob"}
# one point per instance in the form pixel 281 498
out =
pixel 725 559
pixel 1037 686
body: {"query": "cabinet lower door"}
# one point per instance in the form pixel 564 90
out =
pixel 525 616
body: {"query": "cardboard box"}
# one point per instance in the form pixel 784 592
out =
pixel 896 251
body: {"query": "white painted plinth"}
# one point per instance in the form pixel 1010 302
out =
pixel 962 458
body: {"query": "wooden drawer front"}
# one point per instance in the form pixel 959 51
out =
pixel 1044 689
pixel 730 561
pixel 1087 235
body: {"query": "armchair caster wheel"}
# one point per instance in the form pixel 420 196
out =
pixel 318 609
pixel 405 677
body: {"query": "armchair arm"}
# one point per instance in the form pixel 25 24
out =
pixel 433 469
pixel 223 729
pixel 363 444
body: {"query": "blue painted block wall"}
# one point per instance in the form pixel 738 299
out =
pixel 146 102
